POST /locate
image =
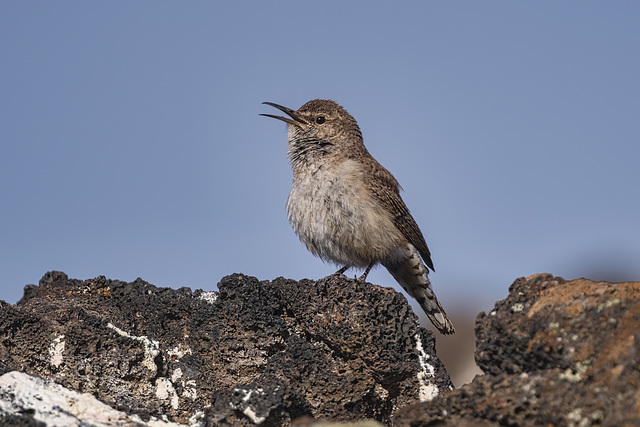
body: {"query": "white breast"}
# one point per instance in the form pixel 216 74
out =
pixel 332 212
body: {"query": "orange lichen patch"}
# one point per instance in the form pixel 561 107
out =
pixel 618 347
pixel 617 370
pixel 546 336
pixel 579 294
pixel 619 301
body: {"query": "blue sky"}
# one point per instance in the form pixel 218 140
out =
pixel 131 145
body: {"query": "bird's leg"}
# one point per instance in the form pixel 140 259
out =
pixel 343 269
pixel 366 272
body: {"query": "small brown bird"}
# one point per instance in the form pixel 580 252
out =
pixel 346 207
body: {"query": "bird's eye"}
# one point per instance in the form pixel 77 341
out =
pixel 320 120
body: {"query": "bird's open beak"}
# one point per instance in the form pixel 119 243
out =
pixel 297 119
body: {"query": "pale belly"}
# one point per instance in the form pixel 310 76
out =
pixel 338 220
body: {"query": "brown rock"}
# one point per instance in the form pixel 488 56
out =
pixel 554 352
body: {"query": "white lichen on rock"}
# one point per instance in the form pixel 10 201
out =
pixel 209 297
pixel 151 347
pixel 178 352
pixel 428 390
pixel 55 351
pixel 55 405
pixel 165 390
pixel 247 409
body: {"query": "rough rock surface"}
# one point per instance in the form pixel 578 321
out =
pixel 256 352
pixel 554 353
pixel 51 403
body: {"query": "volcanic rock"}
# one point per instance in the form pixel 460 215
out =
pixel 554 353
pixel 255 352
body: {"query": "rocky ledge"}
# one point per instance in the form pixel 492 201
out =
pixel 256 352
pixel 103 352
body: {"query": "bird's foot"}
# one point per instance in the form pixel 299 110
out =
pixel 366 272
pixel 343 269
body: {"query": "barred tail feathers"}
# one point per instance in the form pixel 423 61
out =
pixel 412 275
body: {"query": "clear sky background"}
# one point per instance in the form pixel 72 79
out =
pixel 131 146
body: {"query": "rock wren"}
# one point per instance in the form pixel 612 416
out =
pixel 346 207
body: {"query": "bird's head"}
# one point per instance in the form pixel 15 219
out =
pixel 319 128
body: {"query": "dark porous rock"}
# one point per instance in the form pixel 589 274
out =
pixel 256 352
pixel 555 352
